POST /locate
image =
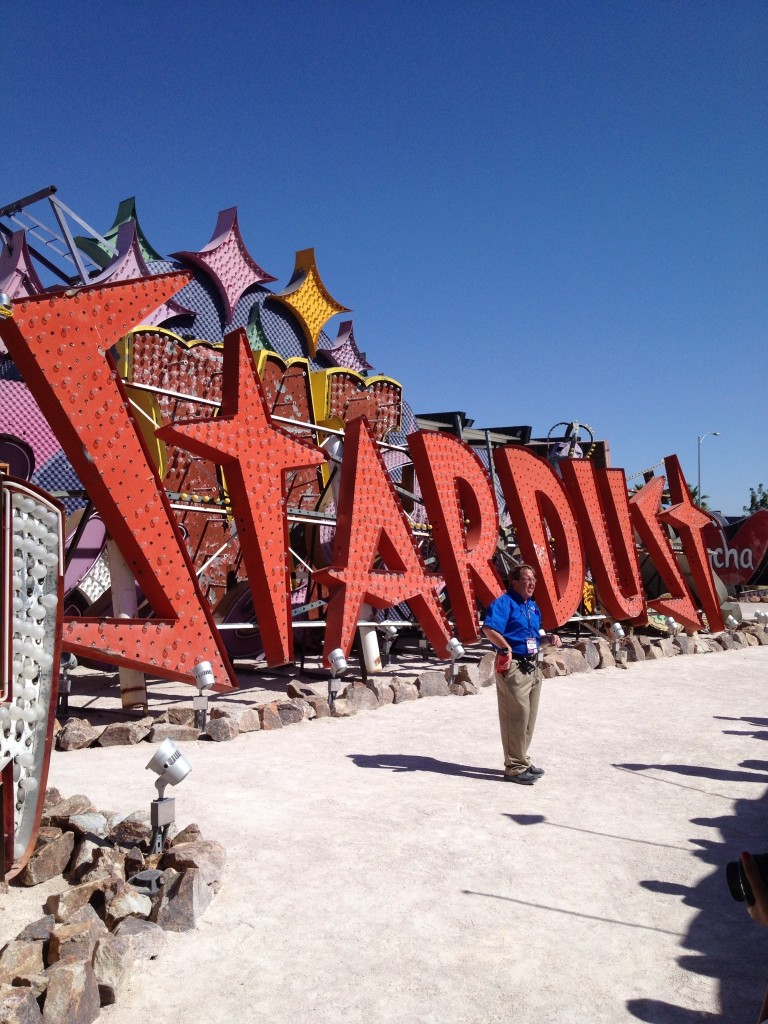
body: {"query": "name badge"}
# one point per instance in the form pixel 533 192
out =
pixel 532 646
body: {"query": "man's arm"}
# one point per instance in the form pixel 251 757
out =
pixel 497 639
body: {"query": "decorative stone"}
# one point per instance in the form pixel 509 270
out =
pixel 125 733
pixel 404 689
pixel 180 908
pixel 180 715
pixel 87 915
pixel 294 689
pixel 486 670
pixel 636 647
pixel 71 942
pixel 19 1006
pixel 666 647
pixel 91 823
pixel 108 862
pixel 653 652
pixel 21 957
pixel 125 901
pixel 319 705
pixel 178 733
pixel 270 716
pixel 59 814
pixel 63 904
pixel 112 962
pixel 341 708
pixel 76 734
pixel 604 652
pixel 682 644
pixel 189 834
pixel 360 697
pixel 460 684
pixel 738 639
pixel 247 718
pixel 147 938
pixel 382 687
pixel 306 709
pixel 553 665
pixel 221 729
pixel 82 861
pixel 289 713
pixel 749 638
pixel 574 660
pixel 40 929
pixel 432 684
pixel 36 983
pixel 590 652
pixel 208 856
pixel 133 830
pixel 49 859
pixel 52 797
pixel 72 996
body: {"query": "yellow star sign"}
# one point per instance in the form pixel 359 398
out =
pixel 308 299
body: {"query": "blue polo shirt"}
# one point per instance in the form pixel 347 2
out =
pixel 516 619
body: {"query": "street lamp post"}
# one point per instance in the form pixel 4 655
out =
pixel 714 433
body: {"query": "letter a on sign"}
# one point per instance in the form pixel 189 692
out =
pixel 540 510
pixel 465 523
pixel 375 558
pixel 60 343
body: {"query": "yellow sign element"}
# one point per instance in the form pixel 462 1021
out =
pixel 308 299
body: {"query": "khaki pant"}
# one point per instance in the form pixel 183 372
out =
pixel 518 696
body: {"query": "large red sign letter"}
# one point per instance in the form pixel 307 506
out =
pixel 60 343
pixel 256 457
pixel 371 526
pixel 602 507
pixel 537 501
pixel 456 487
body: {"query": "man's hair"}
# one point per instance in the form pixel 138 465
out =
pixel 517 570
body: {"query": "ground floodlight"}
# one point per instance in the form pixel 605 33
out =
pixel 388 631
pixel 672 626
pixel 731 623
pixel 339 666
pixel 171 768
pixel 617 631
pixel 204 680
pixel 454 649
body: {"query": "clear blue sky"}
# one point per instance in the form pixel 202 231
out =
pixel 537 211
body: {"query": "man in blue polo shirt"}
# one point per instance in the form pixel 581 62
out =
pixel 513 625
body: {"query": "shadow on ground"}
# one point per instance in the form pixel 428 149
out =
pixel 415 763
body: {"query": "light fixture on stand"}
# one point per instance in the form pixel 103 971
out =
pixel 339 666
pixel 673 627
pixel 617 635
pixel 388 637
pixel 171 767
pixel 454 651
pixel 731 624
pixel 204 680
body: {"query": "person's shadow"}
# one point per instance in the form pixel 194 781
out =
pixel 415 763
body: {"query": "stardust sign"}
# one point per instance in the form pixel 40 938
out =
pixel 61 344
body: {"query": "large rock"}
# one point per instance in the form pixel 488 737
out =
pixel 636 647
pixel 432 684
pixel 147 938
pixel 50 858
pixel 208 856
pixel 126 733
pixel 180 715
pixel 222 729
pixel 319 705
pixel 90 823
pixel 341 708
pixel 71 942
pixel 605 653
pixel 270 716
pixel 683 644
pixel 382 687
pixel 307 710
pixel 112 962
pixel 75 734
pixel 72 996
pixel 38 930
pixel 125 901
pixel 404 689
pixel 87 915
pixel 589 649
pixel 289 712
pixel 52 797
pixel 574 660
pixel 168 730
pixel 360 697
pixel 59 814
pixel 247 718
pixel 19 1006
pixel 666 647
pixel 553 665
pixel 21 957
pixel 133 830
pixel 63 904
pixel 108 862
pixel 183 903
pixel 83 859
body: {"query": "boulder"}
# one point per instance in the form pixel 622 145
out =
pixel 76 734
pixel 432 683
pixel 71 942
pixel 270 717
pixel 590 652
pixel 125 901
pixel 180 715
pixel 52 797
pixel 635 647
pixel 90 823
pixel 87 915
pixel 553 664
pixel 682 644
pixel 247 718
pixel 58 815
pixel 169 730
pixel 108 862
pixel 63 904
pixel 183 903
pixel 486 670
pixel 133 830
pixel 382 687
pixel 360 697
pixel 21 957
pixel 307 709
pixel 574 660
pixel 605 653
pixel 290 713
pixel 208 856
pixel 50 857
pixel 341 708
pixel 147 938
pixel 666 647
pixel 72 996
pixel 221 729
pixel 190 834
pixel 38 930
pixel 112 962
pixel 404 689
pixel 19 1006
pixel 319 705
pixel 125 733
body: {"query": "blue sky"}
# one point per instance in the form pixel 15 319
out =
pixel 537 211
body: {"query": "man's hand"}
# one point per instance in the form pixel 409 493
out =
pixel 759 911
pixel 503 661
pixel 553 639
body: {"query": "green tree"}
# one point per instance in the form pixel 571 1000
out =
pixel 758 498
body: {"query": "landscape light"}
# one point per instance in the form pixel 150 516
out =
pixel 731 623
pixel 672 626
pixel 339 666
pixel 204 680
pixel 617 631
pixel 171 768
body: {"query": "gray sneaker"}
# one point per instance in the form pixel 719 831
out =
pixel 526 778
pixel 533 770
